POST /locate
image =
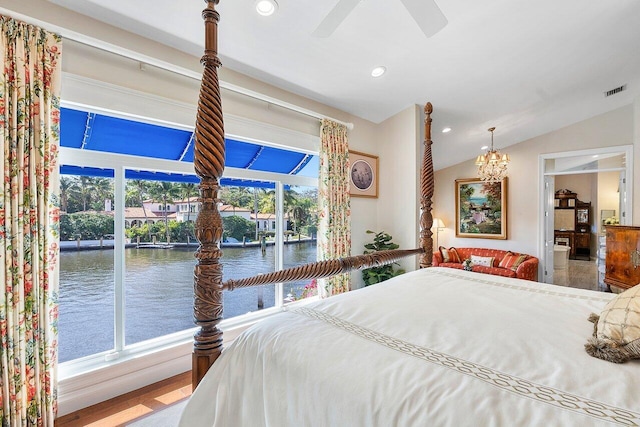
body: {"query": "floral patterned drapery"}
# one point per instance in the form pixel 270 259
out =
pixel 334 230
pixel 29 217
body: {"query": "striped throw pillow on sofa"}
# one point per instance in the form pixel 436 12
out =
pixel 449 255
pixel 512 261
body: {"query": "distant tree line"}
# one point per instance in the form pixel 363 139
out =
pixel 82 202
pixel 300 204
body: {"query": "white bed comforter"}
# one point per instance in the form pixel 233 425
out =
pixel 433 347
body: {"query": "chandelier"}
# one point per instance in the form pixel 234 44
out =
pixel 492 167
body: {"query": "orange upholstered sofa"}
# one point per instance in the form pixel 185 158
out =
pixel 514 266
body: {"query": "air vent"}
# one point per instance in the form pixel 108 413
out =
pixel 614 91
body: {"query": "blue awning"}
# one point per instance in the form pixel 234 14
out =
pixel 97 132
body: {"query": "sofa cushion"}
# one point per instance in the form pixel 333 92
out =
pixel 512 261
pixel 449 255
pixel 486 261
pixel 497 271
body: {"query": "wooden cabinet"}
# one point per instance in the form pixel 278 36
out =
pixel 582 238
pixel 622 256
pixel 582 242
pixel 573 224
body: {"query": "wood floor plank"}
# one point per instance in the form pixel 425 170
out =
pixel 127 408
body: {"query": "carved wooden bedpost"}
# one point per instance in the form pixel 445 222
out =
pixel 426 193
pixel 209 164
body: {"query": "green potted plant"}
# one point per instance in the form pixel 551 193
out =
pixel 381 242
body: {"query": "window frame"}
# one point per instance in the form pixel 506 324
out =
pixel 119 163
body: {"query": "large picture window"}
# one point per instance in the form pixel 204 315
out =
pixel 134 286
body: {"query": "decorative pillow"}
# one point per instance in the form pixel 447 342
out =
pixel 512 261
pixel 486 261
pixel 616 332
pixel 449 255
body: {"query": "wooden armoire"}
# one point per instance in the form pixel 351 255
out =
pixel 622 262
pixel 572 220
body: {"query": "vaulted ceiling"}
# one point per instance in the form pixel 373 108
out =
pixel 525 67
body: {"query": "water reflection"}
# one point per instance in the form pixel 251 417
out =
pixel 158 292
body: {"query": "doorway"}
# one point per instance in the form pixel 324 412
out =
pixel 592 166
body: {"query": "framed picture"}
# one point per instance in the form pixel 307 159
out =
pixel 481 209
pixel 363 174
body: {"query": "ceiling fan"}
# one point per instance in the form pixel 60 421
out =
pixel 426 13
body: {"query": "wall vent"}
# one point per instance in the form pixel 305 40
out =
pixel 614 91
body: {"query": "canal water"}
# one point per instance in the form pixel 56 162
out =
pixel 158 292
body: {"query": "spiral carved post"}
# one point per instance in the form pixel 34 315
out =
pixel 320 269
pixel 426 193
pixel 209 165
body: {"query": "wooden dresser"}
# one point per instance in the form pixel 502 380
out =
pixel 622 263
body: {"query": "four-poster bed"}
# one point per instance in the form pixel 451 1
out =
pixel 431 347
pixel 209 165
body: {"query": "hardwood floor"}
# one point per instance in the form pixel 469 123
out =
pixel 129 407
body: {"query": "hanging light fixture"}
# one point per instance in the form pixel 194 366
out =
pixel 492 167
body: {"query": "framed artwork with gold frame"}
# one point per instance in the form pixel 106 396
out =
pixel 363 174
pixel 481 208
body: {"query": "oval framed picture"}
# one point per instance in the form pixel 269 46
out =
pixel 363 174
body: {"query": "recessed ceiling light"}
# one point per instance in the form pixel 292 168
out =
pixel 378 71
pixel 446 130
pixel 266 7
pixel 484 147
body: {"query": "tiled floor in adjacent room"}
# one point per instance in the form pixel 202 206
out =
pixel 578 274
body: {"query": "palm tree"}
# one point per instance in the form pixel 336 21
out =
pixel 298 214
pixel 166 192
pixel 68 187
pixel 188 190
pixel 236 197
pixel 101 190
pixel 139 190
pixel 84 188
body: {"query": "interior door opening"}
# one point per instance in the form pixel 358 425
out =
pixel 596 184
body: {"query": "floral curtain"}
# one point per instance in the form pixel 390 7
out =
pixel 29 216
pixel 334 230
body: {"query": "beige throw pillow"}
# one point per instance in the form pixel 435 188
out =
pixel 486 261
pixel 616 334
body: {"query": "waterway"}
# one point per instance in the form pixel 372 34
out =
pixel 158 292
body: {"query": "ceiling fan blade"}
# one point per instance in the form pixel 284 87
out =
pixel 338 14
pixel 427 15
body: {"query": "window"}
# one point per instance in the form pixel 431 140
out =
pixel 156 245
pixel 87 296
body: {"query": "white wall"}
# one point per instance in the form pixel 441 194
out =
pixel 400 160
pixel 396 208
pixel 609 129
pixel 608 196
pixel 581 184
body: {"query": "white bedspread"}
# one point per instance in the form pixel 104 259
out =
pixel 434 347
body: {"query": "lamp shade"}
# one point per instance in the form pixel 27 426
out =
pixel 437 223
